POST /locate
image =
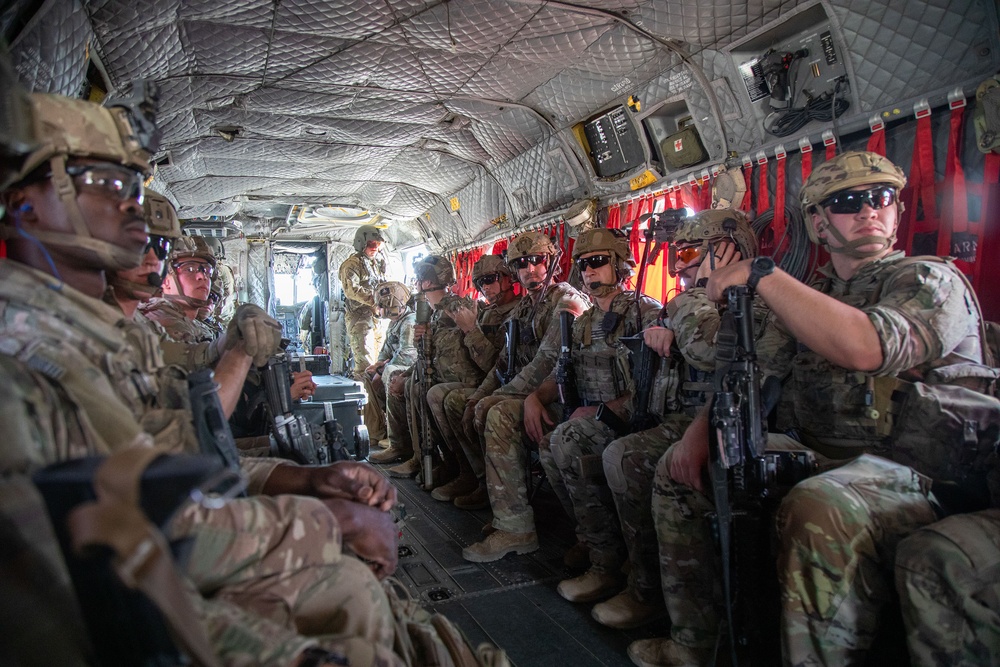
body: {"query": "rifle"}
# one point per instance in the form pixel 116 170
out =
pixel 293 437
pixel 210 424
pixel 645 364
pixel 424 373
pixel 513 338
pixel 565 376
pixel 747 484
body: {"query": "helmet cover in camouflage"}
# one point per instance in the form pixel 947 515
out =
pixel 531 243
pixel 392 297
pixel 365 234
pixel 843 172
pixel 191 247
pixel 17 137
pixel 717 225
pixel 78 128
pixel 436 269
pixel 216 246
pixel 161 218
pixel 489 264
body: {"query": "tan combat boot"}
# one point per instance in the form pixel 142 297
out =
pixel 624 611
pixel 589 586
pixel 390 455
pixel 407 469
pixel 500 543
pixel 477 500
pixel 663 652
pixel 462 485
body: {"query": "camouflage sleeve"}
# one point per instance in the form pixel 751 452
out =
pixel 357 286
pixel 775 350
pixel 923 314
pixel 536 370
pixel 694 319
pixel 406 353
pixel 258 469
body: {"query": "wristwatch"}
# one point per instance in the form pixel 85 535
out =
pixel 759 267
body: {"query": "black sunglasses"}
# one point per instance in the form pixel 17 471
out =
pixel 593 262
pixel 488 279
pixel 160 245
pixel 851 201
pixel 534 260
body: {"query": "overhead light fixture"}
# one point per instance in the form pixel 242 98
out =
pixel 228 132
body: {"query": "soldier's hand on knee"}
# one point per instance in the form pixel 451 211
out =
pixel 535 415
pixel 370 534
pixel 397 385
pixel 659 339
pixel 352 480
pixel 689 456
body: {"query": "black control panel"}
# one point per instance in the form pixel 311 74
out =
pixel 615 145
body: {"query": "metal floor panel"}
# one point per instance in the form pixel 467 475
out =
pixel 511 602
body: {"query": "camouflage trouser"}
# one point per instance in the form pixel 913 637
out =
pixel 415 400
pixel 374 410
pixel 555 478
pixel 689 562
pixel 365 337
pixel 279 559
pixel 948 578
pixel 576 447
pixel 397 420
pixel 629 465
pixel 435 400
pixel 838 534
pixel 506 459
pixel 464 430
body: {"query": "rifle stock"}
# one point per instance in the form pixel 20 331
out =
pixel 423 372
pixel 513 338
pixel 645 364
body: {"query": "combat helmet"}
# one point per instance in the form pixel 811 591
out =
pixel 392 297
pixel 711 226
pixel 164 229
pixel 613 241
pixel 531 243
pixel 161 218
pixel 17 139
pixel 65 128
pixel 365 234
pixel 189 247
pixel 488 265
pixel 843 172
pixel 436 269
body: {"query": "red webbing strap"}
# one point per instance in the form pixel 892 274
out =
pixel 807 158
pixel 921 182
pixel 956 194
pixel 634 234
pixel 614 217
pixel 778 224
pixel 831 149
pixel 747 204
pixel 989 241
pixel 763 196
pixel 876 142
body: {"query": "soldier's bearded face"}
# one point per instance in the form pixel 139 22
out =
pixel 532 277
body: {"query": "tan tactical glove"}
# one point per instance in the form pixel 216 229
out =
pixel 260 333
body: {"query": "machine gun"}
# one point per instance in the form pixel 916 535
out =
pixel 294 438
pixel 565 377
pixel 424 373
pixel 513 339
pixel 645 364
pixel 747 484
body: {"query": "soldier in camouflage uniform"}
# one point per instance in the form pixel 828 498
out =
pixel 948 579
pixel 398 353
pixel 876 328
pixel 78 379
pixel 359 275
pixel 600 363
pixel 499 409
pixel 450 362
pixel 484 338
pixel 684 337
pixel 186 289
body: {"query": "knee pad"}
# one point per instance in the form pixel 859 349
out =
pixel 613 457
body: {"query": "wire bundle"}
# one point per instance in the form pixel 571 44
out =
pixel 825 108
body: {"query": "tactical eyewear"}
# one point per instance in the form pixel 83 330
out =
pixel 483 281
pixel 534 260
pixel 851 201
pixel 160 245
pixel 191 268
pixel 593 262
pixel 120 182
pixel 688 254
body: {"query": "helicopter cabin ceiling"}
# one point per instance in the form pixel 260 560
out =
pixel 441 119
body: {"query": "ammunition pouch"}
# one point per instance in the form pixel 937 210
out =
pixel 598 376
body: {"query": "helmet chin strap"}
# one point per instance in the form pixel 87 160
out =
pixel 598 289
pixel 850 248
pixel 131 289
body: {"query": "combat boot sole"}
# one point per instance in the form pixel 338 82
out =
pixel 497 545
pixel 389 456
